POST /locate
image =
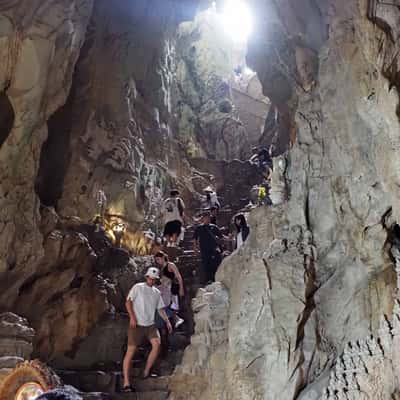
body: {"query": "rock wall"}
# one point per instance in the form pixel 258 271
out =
pixel 15 342
pixel 221 114
pixel 315 272
pixel 121 139
pixel 40 43
pixel 79 113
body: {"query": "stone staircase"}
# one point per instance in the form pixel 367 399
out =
pixel 104 383
pixel 106 380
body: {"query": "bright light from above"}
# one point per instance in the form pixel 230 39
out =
pixel 237 20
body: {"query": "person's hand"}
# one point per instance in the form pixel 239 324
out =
pixel 132 323
pixel 169 326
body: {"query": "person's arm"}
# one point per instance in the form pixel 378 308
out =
pixel 178 277
pixel 164 316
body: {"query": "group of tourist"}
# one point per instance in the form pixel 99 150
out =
pixel 153 305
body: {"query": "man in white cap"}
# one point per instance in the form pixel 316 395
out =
pixel 142 302
pixel 210 199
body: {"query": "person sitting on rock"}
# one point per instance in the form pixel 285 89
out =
pixel 142 302
pixel 207 238
pixel 173 213
pixel 242 230
pixel 210 199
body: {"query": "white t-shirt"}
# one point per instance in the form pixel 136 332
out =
pixel 146 301
pixel 239 240
pixel 171 209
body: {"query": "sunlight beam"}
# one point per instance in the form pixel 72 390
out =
pixel 237 20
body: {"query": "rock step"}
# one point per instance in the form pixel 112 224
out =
pixel 189 258
pixel 149 395
pixel 109 382
pixel 95 396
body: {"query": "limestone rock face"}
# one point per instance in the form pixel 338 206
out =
pixel 16 338
pixel 221 114
pixel 68 129
pixel 35 78
pixel 105 343
pixel 121 138
pixel 315 272
pixel 39 45
pixel 64 298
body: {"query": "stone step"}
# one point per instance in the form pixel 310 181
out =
pixel 149 395
pixel 109 382
pixel 191 258
pixel 95 396
pixel 89 381
pixel 150 384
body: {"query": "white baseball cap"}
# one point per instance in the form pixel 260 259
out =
pixel 153 273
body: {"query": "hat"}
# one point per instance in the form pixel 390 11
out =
pixel 208 189
pixel 153 273
pixel 149 234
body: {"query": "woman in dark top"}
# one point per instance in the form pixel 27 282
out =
pixel 242 229
pixel 170 271
pixel 171 288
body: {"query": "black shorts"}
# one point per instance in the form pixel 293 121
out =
pixel 172 228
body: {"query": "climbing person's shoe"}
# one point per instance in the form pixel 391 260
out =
pixel 127 389
pixel 150 375
pixel 178 322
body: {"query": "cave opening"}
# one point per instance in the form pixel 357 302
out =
pixel 54 157
pixel 221 108
pixel 6 117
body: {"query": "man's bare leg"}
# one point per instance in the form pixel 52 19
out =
pixel 155 349
pixel 130 352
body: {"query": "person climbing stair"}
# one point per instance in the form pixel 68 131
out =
pixel 207 239
pixel 143 300
pixel 173 213
pixel 171 284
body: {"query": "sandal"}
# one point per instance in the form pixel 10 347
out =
pixel 150 375
pixel 128 389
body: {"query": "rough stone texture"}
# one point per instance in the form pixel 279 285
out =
pixel 15 341
pixel 105 343
pixel 110 131
pixel 121 139
pixel 315 272
pixel 39 44
pixel 220 114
